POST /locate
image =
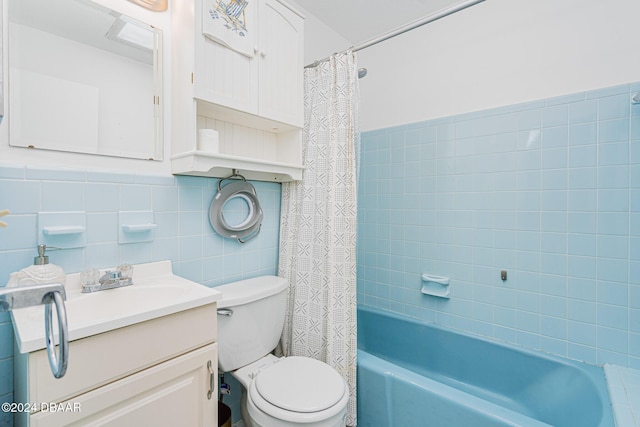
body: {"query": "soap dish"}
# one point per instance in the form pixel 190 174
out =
pixel 437 286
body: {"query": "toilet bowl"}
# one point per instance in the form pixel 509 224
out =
pixel 277 392
pixel 292 391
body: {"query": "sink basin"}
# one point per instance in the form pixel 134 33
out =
pixel 105 305
pixel 155 292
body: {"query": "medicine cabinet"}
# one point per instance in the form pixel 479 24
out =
pixel 83 78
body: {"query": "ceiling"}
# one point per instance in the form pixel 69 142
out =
pixel 362 20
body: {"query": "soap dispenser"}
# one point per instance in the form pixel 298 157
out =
pixel 41 272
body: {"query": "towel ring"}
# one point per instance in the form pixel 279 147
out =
pixel 249 228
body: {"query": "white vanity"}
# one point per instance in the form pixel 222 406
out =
pixel 144 354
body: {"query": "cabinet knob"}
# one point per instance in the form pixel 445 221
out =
pixel 263 53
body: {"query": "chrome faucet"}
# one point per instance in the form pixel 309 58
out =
pixel 111 279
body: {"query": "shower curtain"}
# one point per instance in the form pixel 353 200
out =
pixel 318 225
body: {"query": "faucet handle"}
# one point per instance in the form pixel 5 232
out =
pixel 114 274
pixel 126 271
pixel 110 276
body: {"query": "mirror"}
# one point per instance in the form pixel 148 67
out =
pixel 83 78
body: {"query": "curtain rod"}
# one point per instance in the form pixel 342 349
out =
pixel 407 27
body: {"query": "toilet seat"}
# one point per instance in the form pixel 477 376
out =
pixel 299 389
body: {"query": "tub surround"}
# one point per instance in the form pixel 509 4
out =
pixel 546 190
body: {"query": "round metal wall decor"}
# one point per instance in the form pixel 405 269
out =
pixel 248 228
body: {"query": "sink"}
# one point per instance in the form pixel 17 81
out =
pixel 105 305
pixel 155 292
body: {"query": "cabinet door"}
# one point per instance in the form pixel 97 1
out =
pixel 225 76
pixel 173 393
pixel 281 46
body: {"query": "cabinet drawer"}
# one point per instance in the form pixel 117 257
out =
pixel 107 357
pixel 171 394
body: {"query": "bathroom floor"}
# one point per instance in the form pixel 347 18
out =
pixel 238 424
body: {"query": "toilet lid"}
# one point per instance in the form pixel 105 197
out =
pixel 300 384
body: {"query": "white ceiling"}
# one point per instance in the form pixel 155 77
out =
pixel 362 20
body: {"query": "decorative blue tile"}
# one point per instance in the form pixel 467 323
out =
pixel 21 233
pixel 135 197
pixel 613 246
pixel 101 197
pixel 583 134
pixel 6 376
pixel 582 200
pixel 529 119
pixel 614 153
pixel 614 107
pixel 581 267
pixel 556 115
pixel 12 171
pixel 612 339
pixel 6 340
pixel 55 174
pixel 582 311
pixel 613 223
pixel 583 156
pixel 554 158
pixel 19 196
pixel 613 200
pixel 608 91
pixel 615 270
pixel 102 227
pixel 613 316
pixel 582 244
pixel 555 137
pixel 62 196
pixel 581 333
pixel 584 111
pixel 613 177
pixel 613 130
pixel 614 293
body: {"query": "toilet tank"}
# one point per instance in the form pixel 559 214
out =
pixel 250 320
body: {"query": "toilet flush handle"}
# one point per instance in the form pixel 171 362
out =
pixel 225 312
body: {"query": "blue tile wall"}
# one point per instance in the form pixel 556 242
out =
pixel 548 190
pixel 180 207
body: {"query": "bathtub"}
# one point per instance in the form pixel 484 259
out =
pixel 417 374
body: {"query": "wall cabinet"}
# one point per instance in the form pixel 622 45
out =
pixel 251 94
pixel 269 83
pixel 149 373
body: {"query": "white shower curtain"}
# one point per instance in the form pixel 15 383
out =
pixel 318 225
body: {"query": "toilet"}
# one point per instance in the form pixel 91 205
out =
pixel 286 391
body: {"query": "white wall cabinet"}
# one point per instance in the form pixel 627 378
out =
pixel 150 373
pixel 251 96
pixel 268 84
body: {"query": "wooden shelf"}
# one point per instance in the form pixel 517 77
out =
pixel 198 163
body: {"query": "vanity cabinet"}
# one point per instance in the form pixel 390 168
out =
pixel 149 373
pixel 251 95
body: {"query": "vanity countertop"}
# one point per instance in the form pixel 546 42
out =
pixel 155 292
